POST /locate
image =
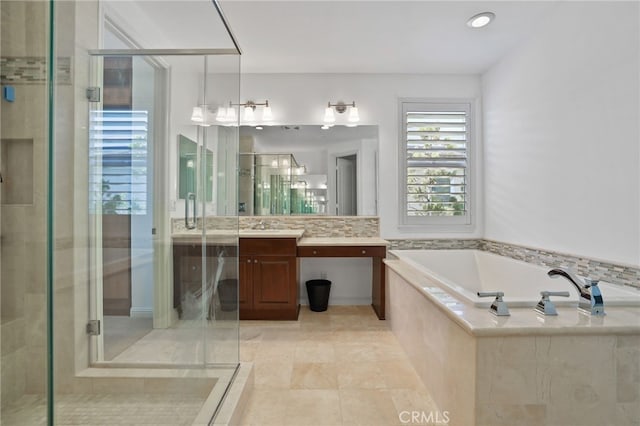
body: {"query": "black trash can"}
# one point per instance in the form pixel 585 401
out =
pixel 318 292
pixel 228 294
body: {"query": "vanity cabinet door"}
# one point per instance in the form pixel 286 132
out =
pixel 268 279
pixel 245 290
pixel 274 282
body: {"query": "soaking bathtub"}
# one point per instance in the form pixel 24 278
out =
pixel 526 368
pixel 465 272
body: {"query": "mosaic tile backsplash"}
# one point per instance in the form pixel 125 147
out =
pixel 595 269
pixel 314 226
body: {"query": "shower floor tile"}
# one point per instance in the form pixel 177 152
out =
pixel 112 409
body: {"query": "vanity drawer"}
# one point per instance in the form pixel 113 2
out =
pixel 268 246
pixel 338 251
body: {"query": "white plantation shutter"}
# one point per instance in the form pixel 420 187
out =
pixel 435 142
pixel 118 161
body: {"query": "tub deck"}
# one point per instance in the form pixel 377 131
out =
pixel 526 369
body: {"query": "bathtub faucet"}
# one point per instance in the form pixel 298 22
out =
pixel 498 307
pixel 590 296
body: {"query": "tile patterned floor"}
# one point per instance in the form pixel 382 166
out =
pixel 105 410
pixel 340 367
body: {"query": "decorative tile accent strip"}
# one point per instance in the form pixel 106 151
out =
pixel 437 244
pixel 314 226
pixel 319 226
pixel 595 269
pixel 33 70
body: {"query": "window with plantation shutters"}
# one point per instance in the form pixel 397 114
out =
pixel 435 145
pixel 118 162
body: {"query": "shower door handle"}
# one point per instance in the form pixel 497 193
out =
pixel 190 224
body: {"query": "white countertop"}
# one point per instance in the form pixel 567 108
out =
pixel 522 321
pixel 342 241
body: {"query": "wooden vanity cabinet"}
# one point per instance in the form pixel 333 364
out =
pixel 268 279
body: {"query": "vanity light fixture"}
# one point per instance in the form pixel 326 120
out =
pixel 481 19
pixel 201 116
pixel 340 107
pixel 249 115
pixel 228 115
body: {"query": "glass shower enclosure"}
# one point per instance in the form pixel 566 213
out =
pixel 119 290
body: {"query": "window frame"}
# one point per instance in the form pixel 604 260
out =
pixel 463 223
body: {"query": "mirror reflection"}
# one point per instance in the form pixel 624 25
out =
pixel 303 169
pixel 188 156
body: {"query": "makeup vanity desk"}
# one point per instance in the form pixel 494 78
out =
pixel 373 247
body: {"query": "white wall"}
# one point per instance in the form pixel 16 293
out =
pixel 561 135
pixel 301 99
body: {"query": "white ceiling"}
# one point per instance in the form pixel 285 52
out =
pixel 301 36
pixel 328 36
pixel 170 24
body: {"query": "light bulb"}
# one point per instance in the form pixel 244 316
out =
pixel 231 114
pixel 267 114
pixel 222 114
pixel 196 115
pixel 329 117
pixel 249 116
pixel 480 20
pixel 353 115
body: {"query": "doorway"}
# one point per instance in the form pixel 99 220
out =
pixel 347 185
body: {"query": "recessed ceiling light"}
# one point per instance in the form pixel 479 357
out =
pixel 481 19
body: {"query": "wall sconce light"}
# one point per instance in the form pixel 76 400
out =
pixel 329 117
pixel 248 114
pixel 203 117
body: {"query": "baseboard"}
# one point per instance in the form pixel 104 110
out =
pixel 343 301
pixel 141 312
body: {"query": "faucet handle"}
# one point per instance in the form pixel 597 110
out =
pixel 545 306
pixel 546 294
pixel 498 307
pixel 588 282
pixel 496 294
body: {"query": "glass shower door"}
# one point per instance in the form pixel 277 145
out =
pixel 150 289
pixel 164 270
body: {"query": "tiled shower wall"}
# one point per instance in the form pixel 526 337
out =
pixel 23 136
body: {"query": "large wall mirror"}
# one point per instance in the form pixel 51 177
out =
pixel 187 168
pixel 303 169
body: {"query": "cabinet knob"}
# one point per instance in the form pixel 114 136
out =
pixel 364 252
pixel 315 252
pixel 255 260
pixel 248 260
